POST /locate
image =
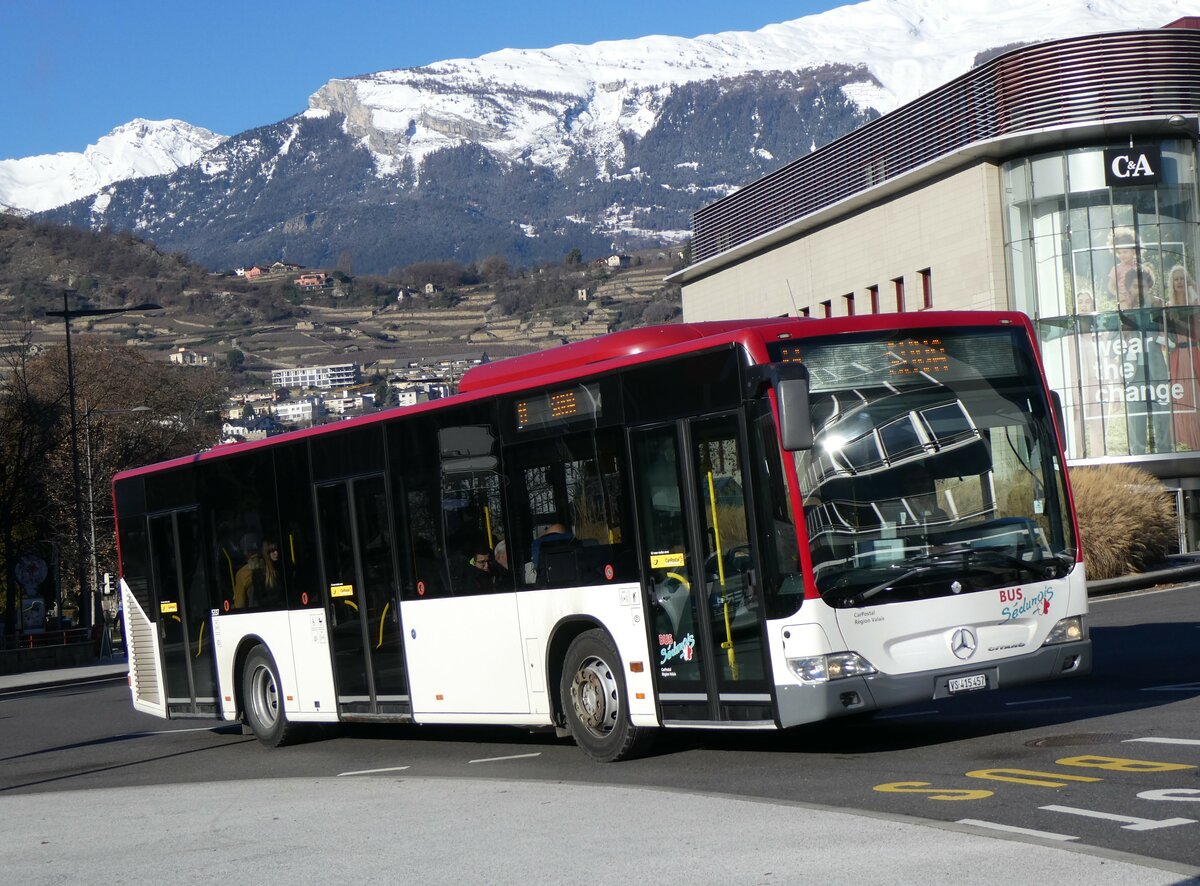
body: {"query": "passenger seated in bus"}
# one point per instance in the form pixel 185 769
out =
pixel 480 577
pixel 251 572
pixel 500 565
pixel 271 591
pixel 556 535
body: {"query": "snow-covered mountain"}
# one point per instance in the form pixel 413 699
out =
pixel 530 153
pixel 544 107
pixel 137 149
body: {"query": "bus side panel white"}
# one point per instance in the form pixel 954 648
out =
pixel 272 628
pixel 315 691
pixel 146 679
pixel 465 655
pixel 619 609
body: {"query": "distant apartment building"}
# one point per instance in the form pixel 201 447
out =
pixel 340 375
pixel 347 402
pixel 297 412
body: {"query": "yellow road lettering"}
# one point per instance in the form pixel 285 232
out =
pixel 1029 776
pixel 1120 764
pixel 922 787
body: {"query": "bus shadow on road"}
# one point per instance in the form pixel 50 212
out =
pixel 1135 667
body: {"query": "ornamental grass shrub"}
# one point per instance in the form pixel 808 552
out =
pixel 1126 519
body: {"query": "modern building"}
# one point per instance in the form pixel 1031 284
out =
pixel 341 375
pixel 1058 179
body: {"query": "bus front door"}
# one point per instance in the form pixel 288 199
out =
pixel 184 613
pixel 358 557
pixel 707 635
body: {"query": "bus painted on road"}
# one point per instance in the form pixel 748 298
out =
pixel 748 524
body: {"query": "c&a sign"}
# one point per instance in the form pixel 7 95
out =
pixel 1132 166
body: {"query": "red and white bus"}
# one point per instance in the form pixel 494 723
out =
pixel 743 525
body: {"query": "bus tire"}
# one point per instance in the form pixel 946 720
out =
pixel 262 700
pixel 596 703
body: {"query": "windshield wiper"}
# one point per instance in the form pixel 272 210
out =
pixel 962 557
pixel 1040 571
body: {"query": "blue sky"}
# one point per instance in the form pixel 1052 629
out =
pixel 74 69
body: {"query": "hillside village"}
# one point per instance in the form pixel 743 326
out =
pixel 339 347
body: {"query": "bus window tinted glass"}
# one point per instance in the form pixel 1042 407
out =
pixel 569 511
pixel 244 528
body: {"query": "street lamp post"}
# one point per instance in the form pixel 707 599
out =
pixel 85 593
pixel 88 412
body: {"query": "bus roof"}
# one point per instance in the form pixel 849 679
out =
pixel 615 350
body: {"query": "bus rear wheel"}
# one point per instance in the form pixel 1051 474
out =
pixel 595 701
pixel 262 700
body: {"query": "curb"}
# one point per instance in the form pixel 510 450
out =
pixel 1174 575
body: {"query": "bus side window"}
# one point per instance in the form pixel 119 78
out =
pixel 570 491
pixel 239 494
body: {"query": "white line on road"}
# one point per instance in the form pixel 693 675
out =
pixel 912 714
pixel 513 757
pixel 1013 829
pixel 1173 687
pixel 1040 700
pixel 1165 740
pixel 373 771
pixel 1132 823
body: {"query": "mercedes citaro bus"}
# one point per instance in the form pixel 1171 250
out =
pixel 746 524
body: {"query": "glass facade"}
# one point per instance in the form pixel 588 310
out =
pixel 1109 275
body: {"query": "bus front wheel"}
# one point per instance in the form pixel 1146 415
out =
pixel 262 700
pixel 595 701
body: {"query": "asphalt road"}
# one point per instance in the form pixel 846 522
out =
pixel 1111 760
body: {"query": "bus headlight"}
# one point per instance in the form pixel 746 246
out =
pixel 1066 631
pixel 823 668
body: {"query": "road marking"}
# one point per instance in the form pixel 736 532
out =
pixel 913 714
pixel 1195 741
pixel 1012 829
pixel 1182 795
pixel 374 771
pixel 1040 700
pixel 1174 687
pixel 513 757
pixel 1131 823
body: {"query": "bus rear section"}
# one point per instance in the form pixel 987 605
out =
pixel 942 540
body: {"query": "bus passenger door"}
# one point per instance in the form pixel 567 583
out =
pixel 700 572
pixel 184 613
pixel 357 550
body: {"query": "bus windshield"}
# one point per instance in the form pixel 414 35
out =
pixel 935 468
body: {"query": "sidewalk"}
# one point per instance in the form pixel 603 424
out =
pixel 113 667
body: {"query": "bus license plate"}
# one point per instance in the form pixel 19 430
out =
pixel 967 684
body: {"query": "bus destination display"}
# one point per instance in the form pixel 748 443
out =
pixel 944 356
pixel 558 407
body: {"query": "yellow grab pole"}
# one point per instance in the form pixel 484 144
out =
pixel 728 644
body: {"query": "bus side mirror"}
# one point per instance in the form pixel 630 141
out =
pixel 1059 418
pixel 795 420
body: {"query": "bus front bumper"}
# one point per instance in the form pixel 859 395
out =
pixel 809 703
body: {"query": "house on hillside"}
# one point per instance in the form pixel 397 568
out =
pixel 254 272
pixel 433 288
pixel 618 261
pixel 186 357
pixel 315 280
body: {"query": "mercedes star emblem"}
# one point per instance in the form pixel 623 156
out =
pixel 963 643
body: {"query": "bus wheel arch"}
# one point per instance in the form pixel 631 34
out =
pixel 561 638
pixel 261 696
pixel 594 699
